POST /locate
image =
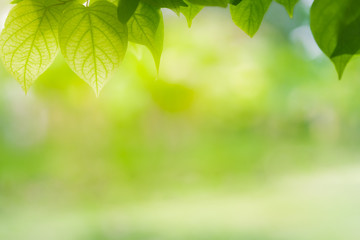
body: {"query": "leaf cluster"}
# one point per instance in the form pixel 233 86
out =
pixel 93 35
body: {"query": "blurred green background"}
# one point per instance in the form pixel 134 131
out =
pixel 237 138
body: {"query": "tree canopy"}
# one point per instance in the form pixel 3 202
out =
pixel 93 35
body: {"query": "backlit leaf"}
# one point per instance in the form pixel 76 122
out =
pixel 29 41
pixel 93 41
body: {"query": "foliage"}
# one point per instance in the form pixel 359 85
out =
pixel 93 36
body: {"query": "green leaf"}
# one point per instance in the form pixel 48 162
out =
pixel 248 14
pixel 126 9
pixel 218 3
pixel 93 41
pixel 29 41
pixel 335 26
pixel 146 28
pixel 289 5
pixel 190 12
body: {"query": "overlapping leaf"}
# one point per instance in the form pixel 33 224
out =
pixel 93 41
pixel 126 9
pixel 146 28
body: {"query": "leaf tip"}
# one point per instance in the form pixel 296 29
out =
pixel 97 91
pixel 189 23
pixel 340 64
pixel 251 34
pixel 157 60
pixel 25 88
pixel 340 72
pixel 340 68
pixel 25 91
pixel 290 11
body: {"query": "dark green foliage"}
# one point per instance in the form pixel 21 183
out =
pixel 349 31
pixel 234 2
pixel 126 9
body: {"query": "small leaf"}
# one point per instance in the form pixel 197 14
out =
pixel 93 41
pixel 126 9
pixel 335 26
pixel 248 14
pixel 146 28
pixel 29 41
pixel 289 5
pixel 190 12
